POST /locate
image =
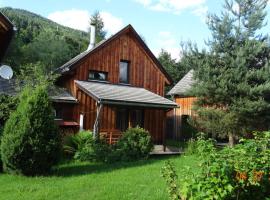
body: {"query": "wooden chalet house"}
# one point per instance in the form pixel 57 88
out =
pixel 180 95
pixel 114 85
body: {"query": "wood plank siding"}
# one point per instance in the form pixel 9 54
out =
pixel 6 33
pixel 175 116
pixel 143 72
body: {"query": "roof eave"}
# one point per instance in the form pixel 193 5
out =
pixel 141 104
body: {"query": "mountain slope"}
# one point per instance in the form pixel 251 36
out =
pixel 40 40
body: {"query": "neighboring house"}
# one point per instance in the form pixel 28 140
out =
pixel 115 85
pixel 6 33
pixel 180 94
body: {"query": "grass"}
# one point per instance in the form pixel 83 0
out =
pixel 86 181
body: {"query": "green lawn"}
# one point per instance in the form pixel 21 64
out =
pixel 136 180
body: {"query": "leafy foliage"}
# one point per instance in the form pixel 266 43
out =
pixel 233 77
pixel 134 144
pixel 82 146
pixel 169 174
pixel 98 21
pixel 31 143
pixel 176 69
pixel 7 105
pixel 34 33
pixel 242 172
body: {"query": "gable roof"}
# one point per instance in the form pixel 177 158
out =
pixel 184 85
pixel 71 64
pixel 124 95
pixel 6 33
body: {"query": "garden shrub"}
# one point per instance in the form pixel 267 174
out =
pixel 1 164
pixel 73 144
pixel 7 105
pixel 242 172
pixel 31 143
pixel 83 147
pixel 200 146
pixel 134 144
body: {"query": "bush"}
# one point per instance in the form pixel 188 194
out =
pixel 242 172
pixel 1 164
pixel 83 147
pixel 73 144
pixel 201 146
pixel 134 144
pixel 31 143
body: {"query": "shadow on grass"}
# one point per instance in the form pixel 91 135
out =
pixel 82 168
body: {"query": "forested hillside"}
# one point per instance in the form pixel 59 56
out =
pixel 41 41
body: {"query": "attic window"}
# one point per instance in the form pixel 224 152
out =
pixel 98 75
pixel 124 71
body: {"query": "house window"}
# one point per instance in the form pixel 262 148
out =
pixel 122 119
pixel 58 113
pixel 136 118
pixel 124 72
pixel 98 75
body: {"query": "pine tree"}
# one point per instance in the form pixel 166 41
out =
pixel 233 84
pixel 98 22
pixel 31 143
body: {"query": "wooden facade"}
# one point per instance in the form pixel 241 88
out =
pixel 177 118
pixel 178 115
pixel 6 33
pixel 144 72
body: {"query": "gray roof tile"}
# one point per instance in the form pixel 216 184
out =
pixel 184 85
pixel 61 95
pixel 124 95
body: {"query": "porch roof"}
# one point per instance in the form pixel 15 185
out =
pixel 124 95
pixel 61 95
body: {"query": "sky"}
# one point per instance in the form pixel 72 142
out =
pixel 164 24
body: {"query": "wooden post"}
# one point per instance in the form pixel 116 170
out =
pixel 164 130
pixel 96 124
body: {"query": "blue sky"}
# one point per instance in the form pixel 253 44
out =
pixel 163 23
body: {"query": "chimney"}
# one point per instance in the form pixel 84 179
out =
pixel 92 36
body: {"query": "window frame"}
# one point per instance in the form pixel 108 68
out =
pixel 128 71
pixel 98 71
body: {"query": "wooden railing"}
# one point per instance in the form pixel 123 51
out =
pixel 111 136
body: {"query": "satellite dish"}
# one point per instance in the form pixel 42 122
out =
pixel 6 72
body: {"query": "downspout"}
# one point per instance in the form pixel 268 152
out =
pixel 96 124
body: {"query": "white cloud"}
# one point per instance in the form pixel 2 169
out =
pixel 144 2
pixel 173 6
pixel 201 12
pixel 166 40
pixel 74 18
pixel 79 19
pixel 112 24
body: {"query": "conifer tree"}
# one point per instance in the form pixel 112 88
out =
pixel 233 78
pixel 97 20
pixel 31 143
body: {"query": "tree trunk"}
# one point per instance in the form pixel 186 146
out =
pixel 231 140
